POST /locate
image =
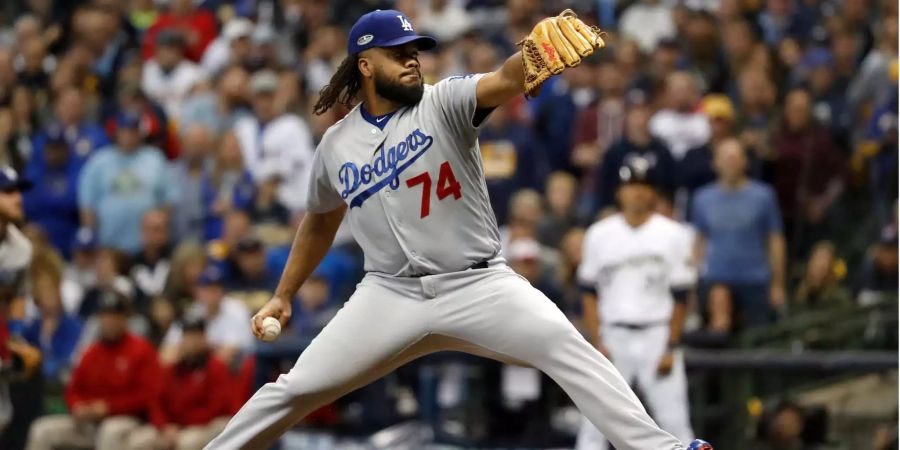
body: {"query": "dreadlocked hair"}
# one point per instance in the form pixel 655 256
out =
pixel 342 88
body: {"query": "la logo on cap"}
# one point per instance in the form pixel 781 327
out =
pixel 404 23
pixel 364 39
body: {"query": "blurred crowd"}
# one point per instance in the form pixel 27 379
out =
pixel 168 142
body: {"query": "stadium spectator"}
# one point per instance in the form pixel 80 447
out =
pixel 22 126
pixel 34 70
pixel 228 186
pixel 647 22
pixel 82 268
pixel 510 158
pixel 603 122
pixel 188 172
pixel 703 51
pixel 55 332
pixel 821 285
pixel 197 26
pixel 149 268
pixel 277 149
pixel 809 175
pixel 557 109
pixel 757 98
pixel 696 169
pixel 560 193
pixel 679 125
pixel 740 244
pixel 828 100
pixel 15 259
pixel 169 76
pixel 110 271
pixel 119 184
pixel 100 46
pixel 53 202
pixel 217 109
pixel 525 211
pixel 110 388
pixel 250 278
pixel 189 410
pixel 70 122
pixel 232 47
pixel 446 20
pixel 226 319
pixel 188 261
pixel 154 125
pixel 636 142
pixel 879 273
pixel 781 19
pixel 525 258
pixel 871 85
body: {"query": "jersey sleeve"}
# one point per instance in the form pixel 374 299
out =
pixel 321 196
pixel 456 102
pixel 682 274
pixel 589 268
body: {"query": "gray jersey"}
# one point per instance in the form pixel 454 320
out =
pixel 414 185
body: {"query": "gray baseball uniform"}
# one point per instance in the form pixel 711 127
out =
pixel 435 281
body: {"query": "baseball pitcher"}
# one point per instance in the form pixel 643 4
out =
pixel 404 166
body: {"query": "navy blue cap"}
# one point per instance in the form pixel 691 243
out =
pixel 111 300
pixel 125 119
pixel 55 135
pixel 193 322
pixel 211 275
pixel 85 239
pixel 385 28
pixel 817 57
pixel 639 170
pixel 10 181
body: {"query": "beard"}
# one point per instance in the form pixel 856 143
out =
pixel 396 92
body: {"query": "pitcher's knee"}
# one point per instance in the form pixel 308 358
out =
pixel 304 387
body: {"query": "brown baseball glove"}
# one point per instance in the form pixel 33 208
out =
pixel 554 44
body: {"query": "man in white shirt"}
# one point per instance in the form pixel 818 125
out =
pixel 647 22
pixel 169 76
pixel 232 46
pixel 681 125
pixel 226 322
pixel 636 277
pixel 277 147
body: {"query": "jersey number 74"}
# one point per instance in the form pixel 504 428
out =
pixel 447 186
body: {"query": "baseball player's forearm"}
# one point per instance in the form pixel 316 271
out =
pixel 676 323
pixel 502 85
pixel 591 318
pixel 776 258
pixel 313 239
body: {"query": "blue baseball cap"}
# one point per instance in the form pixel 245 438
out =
pixel 85 240
pixel 210 276
pixel 10 180
pixel 385 28
pixel 127 119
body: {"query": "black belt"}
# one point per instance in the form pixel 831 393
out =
pixel 479 265
pixel 637 326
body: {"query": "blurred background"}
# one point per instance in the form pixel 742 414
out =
pixel 162 210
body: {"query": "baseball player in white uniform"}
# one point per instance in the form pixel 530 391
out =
pixel 404 166
pixel 636 275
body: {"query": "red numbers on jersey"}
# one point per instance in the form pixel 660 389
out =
pixel 446 186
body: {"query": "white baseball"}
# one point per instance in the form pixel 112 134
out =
pixel 271 329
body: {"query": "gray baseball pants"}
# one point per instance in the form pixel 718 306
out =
pixel 390 321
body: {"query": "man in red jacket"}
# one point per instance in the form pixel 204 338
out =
pixel 189 410
pixel 110 389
